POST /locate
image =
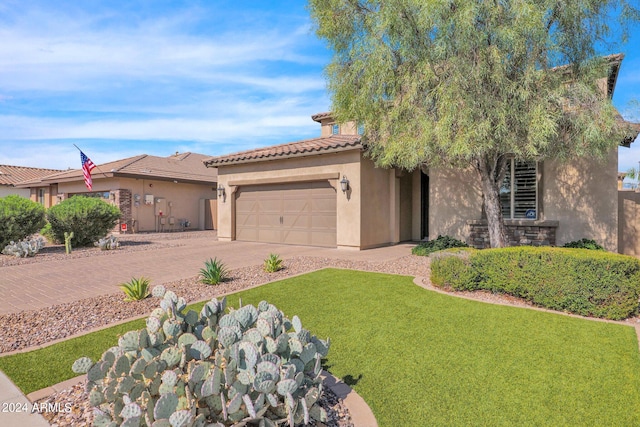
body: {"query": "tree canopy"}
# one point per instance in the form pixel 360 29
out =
pixel 473 83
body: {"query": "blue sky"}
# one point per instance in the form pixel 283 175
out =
pixel 156 77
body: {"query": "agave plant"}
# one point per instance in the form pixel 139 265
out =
pixel 273 263
pixel 214 272
pixel 136 289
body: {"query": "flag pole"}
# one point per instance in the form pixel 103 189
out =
pixel 97 167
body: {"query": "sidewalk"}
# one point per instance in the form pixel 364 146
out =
pixel 15 408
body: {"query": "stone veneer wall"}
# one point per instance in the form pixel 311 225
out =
pixel 123 201
pixel 534 233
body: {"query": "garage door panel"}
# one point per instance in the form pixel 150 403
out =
pixel 268 235
pixel 295 213
pixel 323 223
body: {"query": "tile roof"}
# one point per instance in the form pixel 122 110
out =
pixel 320 116
pixel 180 166
pixel 328 144
pixel 12 175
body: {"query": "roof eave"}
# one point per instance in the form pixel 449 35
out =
pixel 212 163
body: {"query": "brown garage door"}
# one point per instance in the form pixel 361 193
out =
pixel 297 213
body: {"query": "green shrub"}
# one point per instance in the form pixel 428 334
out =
pixel 214 272
pixel 19 218
pixel 89 218
pixel 273 263
pixel 452 268
pixel 585 282
pixel 438 244
pixel 252 366
pixel 584 244
pixel 136 289
pixel 47 233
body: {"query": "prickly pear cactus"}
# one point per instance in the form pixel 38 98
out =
pixel 246 367
pixel 24 248
pixel 108 243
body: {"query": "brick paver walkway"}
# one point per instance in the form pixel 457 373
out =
pixel 42 284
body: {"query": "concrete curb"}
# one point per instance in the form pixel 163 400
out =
pixel 361 414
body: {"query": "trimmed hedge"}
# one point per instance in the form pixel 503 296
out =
pixel 452 267
pixel 584 244
pixel 437 244
pixel 580 281
pixel 89 219
pixel 19 218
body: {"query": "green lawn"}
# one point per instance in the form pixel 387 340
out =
pixel 421 358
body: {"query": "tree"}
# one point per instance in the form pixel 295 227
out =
pixel 473 83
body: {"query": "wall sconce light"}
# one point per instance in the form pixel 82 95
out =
pixel 344 184
pixel 220 190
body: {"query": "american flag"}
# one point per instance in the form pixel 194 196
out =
pixel 87 167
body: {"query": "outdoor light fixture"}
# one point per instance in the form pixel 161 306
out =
pixel 220 190
pixel 344 184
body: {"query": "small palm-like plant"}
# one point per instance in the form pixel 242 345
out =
pixel 273 263
pixel 136 289
pixel 214 272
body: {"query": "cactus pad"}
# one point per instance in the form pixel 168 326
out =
pixel 200 350
pixel 226 336
pixel 131 410
pixel 171 356
pixel 82 365
pixel 287 387
pixel 153 325
pixel 165 406
pixel 158 291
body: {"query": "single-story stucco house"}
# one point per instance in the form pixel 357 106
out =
pixel 325 191
pixel 10 176
pixel 153 193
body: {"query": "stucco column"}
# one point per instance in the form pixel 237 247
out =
pixel 394 209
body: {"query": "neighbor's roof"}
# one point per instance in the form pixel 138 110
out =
pixel 321 116
pixel 322 145
pixel 182 167
pixel 12 175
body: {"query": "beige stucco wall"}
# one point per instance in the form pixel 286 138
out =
pixel 184 199
pixel 6 190
pixel 379 194
pixel 582 195
pixel 455 197
pixel 629 222
pixel 326 127
pixel 294 170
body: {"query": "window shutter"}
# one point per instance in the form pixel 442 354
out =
pixel 524 190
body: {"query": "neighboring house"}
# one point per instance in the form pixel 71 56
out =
pixel 154 193
pixel 10 176
pixel 293 193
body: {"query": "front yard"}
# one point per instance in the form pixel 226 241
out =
pixel 422 358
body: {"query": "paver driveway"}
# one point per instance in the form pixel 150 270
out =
pixel 42 284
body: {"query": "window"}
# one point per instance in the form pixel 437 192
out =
pixel 335 129
pixel 519 195
pixel 41 196
pixel 360 129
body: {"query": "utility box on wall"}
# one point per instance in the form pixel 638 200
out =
pixel 148 199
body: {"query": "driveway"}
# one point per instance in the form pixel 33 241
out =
pixel 46 283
